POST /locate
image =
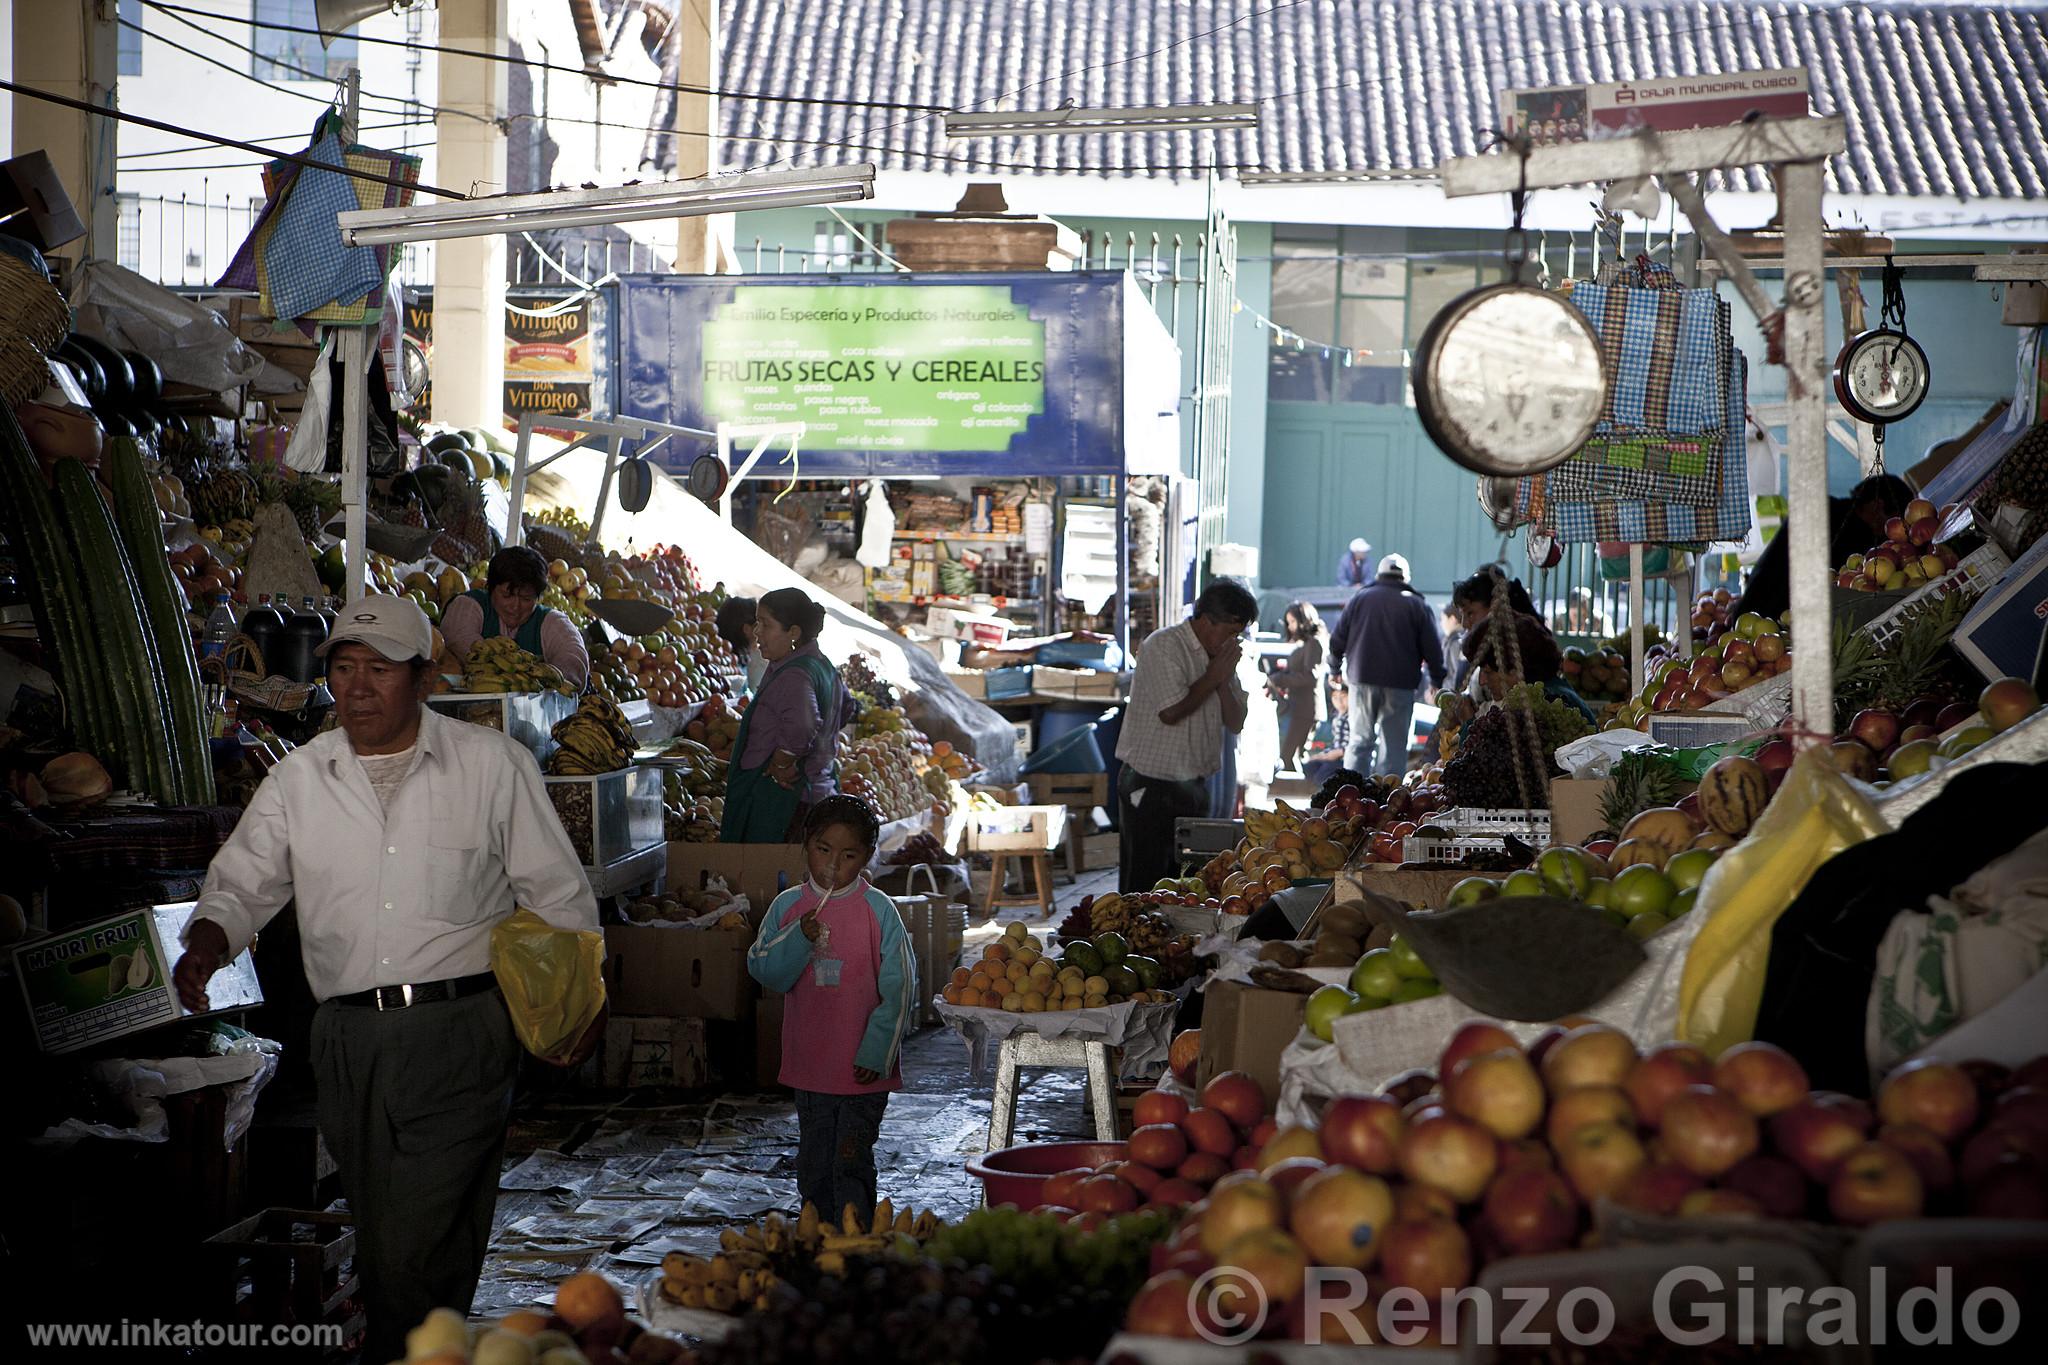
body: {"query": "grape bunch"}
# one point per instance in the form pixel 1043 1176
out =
pixel 1482 772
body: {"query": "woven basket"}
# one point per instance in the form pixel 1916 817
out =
pixel 34 320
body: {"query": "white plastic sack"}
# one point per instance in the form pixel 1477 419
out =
pixel 876 529
pixel 143 1084
pixel 1940 969
pixel 307 449
pixel 1594 756
pixel 190 344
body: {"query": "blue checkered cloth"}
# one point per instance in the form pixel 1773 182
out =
pixel 1648 522
pixel 1668 350
pixel 305 260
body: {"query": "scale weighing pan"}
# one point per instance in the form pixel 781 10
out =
pixel 630 615
pixel 406 544
pixel 1529 958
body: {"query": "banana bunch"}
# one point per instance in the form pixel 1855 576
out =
pixel 1261 826
pixel 1149 933
pixel 596 739
pixel 1108 914
pixel 746 1269
pixel 500 665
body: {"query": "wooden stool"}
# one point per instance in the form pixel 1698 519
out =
pixel 1040 865
pixel 1029 1049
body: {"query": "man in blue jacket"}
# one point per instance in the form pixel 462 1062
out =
pixel 1383 642
pixel 1352 563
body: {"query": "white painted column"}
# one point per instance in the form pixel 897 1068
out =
pixel 469 272
pixel 71 48
pixel 1806 518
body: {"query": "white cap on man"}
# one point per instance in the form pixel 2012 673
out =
pixel 1359 547
pixel 393 626
pixel 1393 566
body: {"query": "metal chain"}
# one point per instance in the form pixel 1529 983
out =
pixel 1503 615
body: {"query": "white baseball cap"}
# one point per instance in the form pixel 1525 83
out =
pixel 393 626
pixel 1393 566
pixel 1358 545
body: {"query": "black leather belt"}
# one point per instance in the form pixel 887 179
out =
pixel 425 993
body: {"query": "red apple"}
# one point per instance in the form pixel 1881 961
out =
pixel 1161 1146
pixel 1547 1039
pixel 2007 702
pixel 1875 1183
pixel 1896 531
pixel 1763 1077
pixel 1365 1132
pixel 1409 1085
pixel 1174 1193
pixel 1429 1255
pixel 1473 1037
pixel 1593 1054
pixel 1878 729
pixel 1936 1095
pixel 1719 1204
pixel 1706 1131
pixel 1341 1216
pixel 1927 1152
pixel 1774 755
pixel 1661 1073
pixel 1499 1091
pixel 1997 1142
pixel 1588 1104
pixel 2023 1105
pixel 1209 1131
pixel 1778 1186
pixel 2015 1187
pixel 1164 1307
pixel 1919 509
pixel 1852 759
pixel 1290 1174
pixel 1531 1211
pixel 1815 1137
pixel 1659 1187
pixel 1245 1158
pixel 1600 1159
pixel 1157 1106
pixel 1450 1153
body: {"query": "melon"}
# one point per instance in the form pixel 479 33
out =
pixel 1668 828
pixel 1732 795
pixel 1629 852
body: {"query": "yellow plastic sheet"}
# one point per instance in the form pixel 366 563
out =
pixel 553 980
pixel 1815 815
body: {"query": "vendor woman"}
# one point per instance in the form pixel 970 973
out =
pixel 1541 661
pixel 783 757
pixel 509 604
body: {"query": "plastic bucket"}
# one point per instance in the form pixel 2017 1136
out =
pixel 1017 1175
pixel 1073 752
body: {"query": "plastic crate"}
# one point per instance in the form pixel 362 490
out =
pixel 1975 573
pixel 1530 826
pixel 1424 849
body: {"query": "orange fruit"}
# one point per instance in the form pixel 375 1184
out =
pixel 586 1299
pixel 524 1321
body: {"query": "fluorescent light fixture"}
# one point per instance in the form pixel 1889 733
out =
pixel 1160 118
pixel 1357 177
pixel 598 208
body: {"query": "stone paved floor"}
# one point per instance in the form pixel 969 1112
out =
pixel 643 1172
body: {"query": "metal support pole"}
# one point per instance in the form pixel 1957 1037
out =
pixel 355 459
pixel 1635 615
pixel 1806 519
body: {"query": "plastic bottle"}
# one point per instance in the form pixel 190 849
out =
pixel 221 628
pixel 264 625
pixel 304 632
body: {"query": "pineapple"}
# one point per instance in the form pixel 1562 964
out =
pixel 1640 781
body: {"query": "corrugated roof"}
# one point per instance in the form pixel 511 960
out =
pixel 1940 100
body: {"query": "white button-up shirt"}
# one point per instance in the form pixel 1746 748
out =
pixel 408 896
pixel 1170 662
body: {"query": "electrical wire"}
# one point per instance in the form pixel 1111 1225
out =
pixel 272 153
pixel 679 87
pixel 267 137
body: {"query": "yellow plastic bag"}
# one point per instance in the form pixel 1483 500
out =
pixel 1815 815
pixel 553 980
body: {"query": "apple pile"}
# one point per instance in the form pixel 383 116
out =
pixel 1907 558
pixel 1881 743
pixel 1641 884
pixel 1393 975
pixel 1598 675
pixel 589 1326
pixel 1511 1150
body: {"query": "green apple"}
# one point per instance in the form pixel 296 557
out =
pixel 1642 890
pixel 1170 885
pixel 1323 1008
pixel 1408 962
pixel 1642 926
pixel 1682 902
pixel 1471 891
pixel 1524 883
pixel 1376 975
pixel 1689 868
pixel 1417 990
pixel 1565 872
pixel 1599 894
pixel 1361 1003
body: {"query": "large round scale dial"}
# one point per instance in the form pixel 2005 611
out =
pixel 1882 376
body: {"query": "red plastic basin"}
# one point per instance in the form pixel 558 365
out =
pixel 1017 1175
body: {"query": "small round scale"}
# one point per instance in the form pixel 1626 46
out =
pixel 1882 376
pixel 707 479
pixel 1509 380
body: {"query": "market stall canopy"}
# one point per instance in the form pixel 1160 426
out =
pixel 724 555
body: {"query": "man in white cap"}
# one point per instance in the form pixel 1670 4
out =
pixel 1383 642
pixel 1352 564
pixel 404 837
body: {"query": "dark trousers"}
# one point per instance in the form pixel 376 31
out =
pixel 1147 808
pixel 413 1104
pixel 835 1151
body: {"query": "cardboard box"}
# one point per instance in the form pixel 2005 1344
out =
pixel 1019 795
pixel 671 972
pixel 1099 851
pixel 760 872
pixel 972 682
pixel 768 1039
pixel 1246 1028
pixel 654 1051
pixel 1422 890
pixel 985 629
pixel 1016 829
pixel 1575 808
pixel 76 1000
pixel 1082 791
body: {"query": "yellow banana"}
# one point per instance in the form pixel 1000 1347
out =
pixel 861 1244
pixel 905 1221
pixel 885 1217
pixel 850 1220
pixel 831 1263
